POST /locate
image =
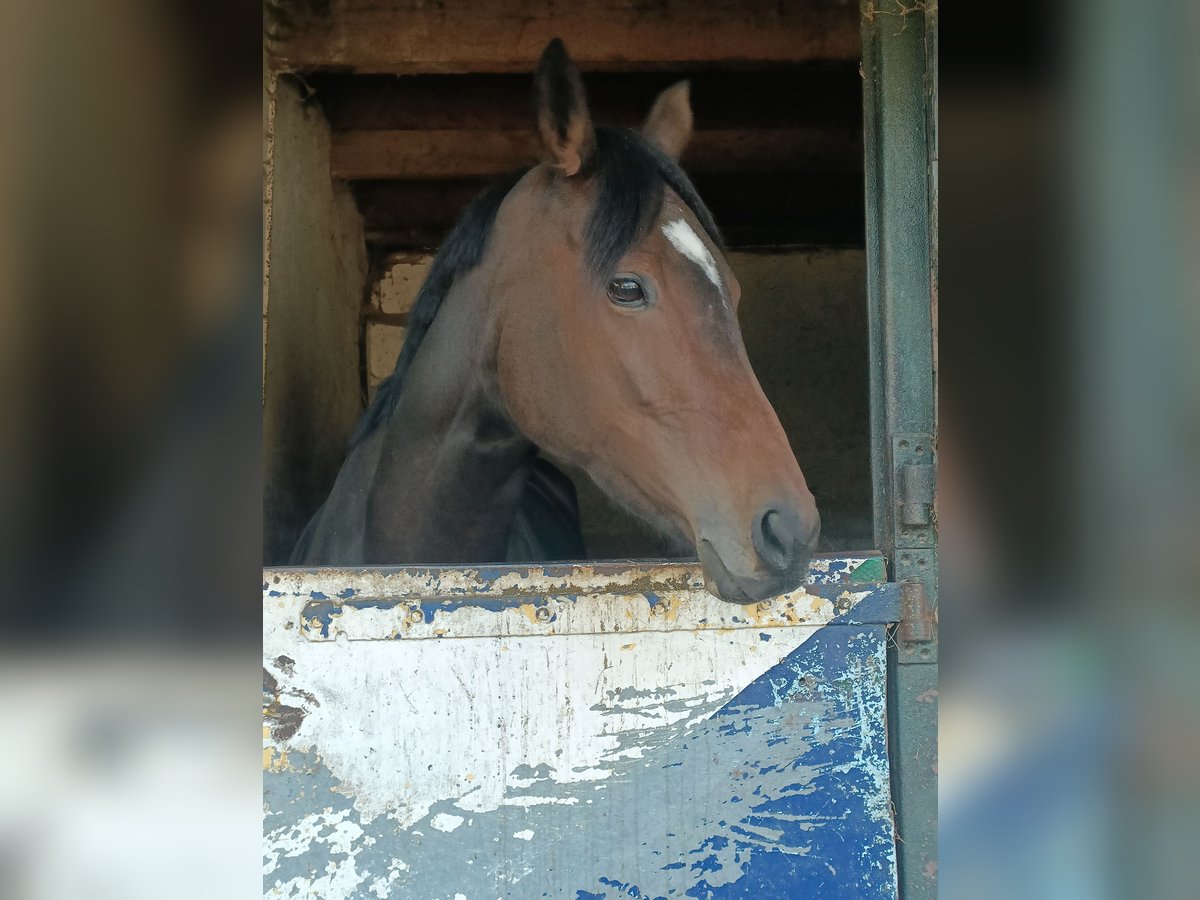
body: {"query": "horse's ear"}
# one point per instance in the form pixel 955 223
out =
pixel 669 125
pixel 562 114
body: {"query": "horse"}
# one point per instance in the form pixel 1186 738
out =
pixel 582 311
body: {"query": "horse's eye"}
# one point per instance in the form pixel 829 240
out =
pixel 625 291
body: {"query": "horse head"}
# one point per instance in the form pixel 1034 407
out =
pixel 617 346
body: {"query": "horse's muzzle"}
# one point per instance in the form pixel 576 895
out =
pixel 783 542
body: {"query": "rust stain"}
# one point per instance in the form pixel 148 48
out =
pixel 668 607
pixel 530 612
pixel 275 761
pixel 283 720
pixel 286 720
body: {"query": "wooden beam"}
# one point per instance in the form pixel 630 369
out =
pixel 358 155
pixel 751 209
pixel 412 36
pixel 828 96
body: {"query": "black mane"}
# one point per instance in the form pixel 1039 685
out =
pixel 460 252
pixel 631 175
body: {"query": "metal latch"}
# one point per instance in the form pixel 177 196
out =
pixel 916 616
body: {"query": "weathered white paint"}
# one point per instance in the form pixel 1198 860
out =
pixel 509 709
pixel 662 598
pixel 687 242
pixel 408 731
pixel 328 828
pixel 446 822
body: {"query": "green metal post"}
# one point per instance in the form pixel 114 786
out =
pixel 899 75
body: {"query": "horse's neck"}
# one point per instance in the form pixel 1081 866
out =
pixel 451 467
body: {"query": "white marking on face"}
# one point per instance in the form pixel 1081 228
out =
pixel 687 242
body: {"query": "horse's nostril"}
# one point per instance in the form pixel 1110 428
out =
pixel 776 534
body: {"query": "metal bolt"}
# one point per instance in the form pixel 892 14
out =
pixel 542 614
pixel 415 614
pixel 843 604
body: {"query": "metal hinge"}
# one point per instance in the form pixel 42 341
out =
pixel 914 531
pixel 916 569
pixel 913 489
pixel 916 615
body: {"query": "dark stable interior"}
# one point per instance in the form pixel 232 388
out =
pixel 777 155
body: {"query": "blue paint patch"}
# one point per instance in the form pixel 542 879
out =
pixel 324 612
pixel 627 889
pixel 763 636
pixel 491 604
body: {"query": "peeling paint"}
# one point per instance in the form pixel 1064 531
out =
pixel 718 754
pixel 446 822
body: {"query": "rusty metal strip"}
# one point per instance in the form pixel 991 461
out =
pixel 413 604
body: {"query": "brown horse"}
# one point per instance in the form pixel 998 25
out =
pixel 582 310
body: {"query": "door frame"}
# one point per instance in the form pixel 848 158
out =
pixel 900 152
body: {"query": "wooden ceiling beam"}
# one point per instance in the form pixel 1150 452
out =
pixel 788 97
pixel 411 36
pixel 358 155
pixel 751 209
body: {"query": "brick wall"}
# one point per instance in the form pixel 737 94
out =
pixel 391 301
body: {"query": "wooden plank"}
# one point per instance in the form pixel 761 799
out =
pixel 752 209
pixel 460 153
pixel 412 37
pixel 828 96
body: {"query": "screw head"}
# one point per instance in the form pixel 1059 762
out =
pixel 415 614
pixel 542 614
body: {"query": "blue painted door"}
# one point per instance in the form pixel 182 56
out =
pixel 597 731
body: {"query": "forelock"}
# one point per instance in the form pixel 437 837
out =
pixel 631 175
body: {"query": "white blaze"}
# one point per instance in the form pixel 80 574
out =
pixel 687 242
